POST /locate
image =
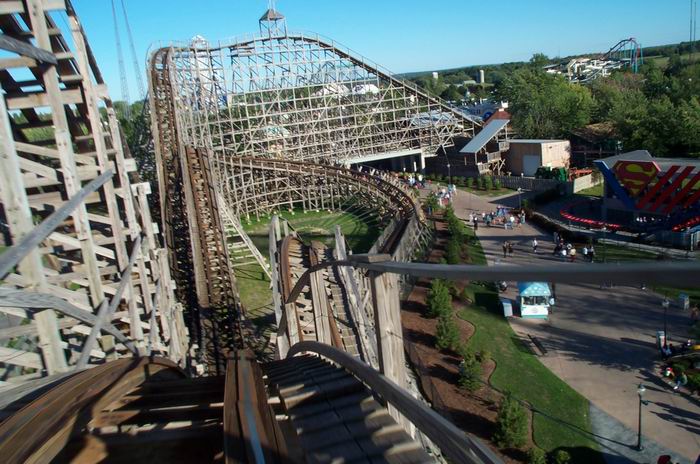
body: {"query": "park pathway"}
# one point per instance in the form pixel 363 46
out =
pixel 601 342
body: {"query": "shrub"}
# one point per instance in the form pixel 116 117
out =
pixel 536 456
pixel 488 183
pixel 470 182
pixel 432 203
pixel 453 251
pixel 693 382
pixel 447 332
pixel 466 297
pixel 497 184
pixel 511 424
pixel 481 182
pixel 679 367
pixel 439 299
pixel 561 457
pixel 483 355
pixel 470 372
pixel 466 353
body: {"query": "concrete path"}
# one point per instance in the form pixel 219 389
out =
pixel 601 342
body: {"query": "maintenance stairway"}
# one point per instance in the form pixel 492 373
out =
pixel 335 417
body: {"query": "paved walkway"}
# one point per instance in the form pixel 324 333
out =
pixel 601 342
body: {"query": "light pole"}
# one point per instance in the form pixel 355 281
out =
pixel 520 195
pixel 640 391
pixel 605 246
pixel 665 304
pixel 449 172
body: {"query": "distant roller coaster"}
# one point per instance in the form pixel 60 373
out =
pixel 627 53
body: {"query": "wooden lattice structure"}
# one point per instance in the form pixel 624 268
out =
pixel 84 278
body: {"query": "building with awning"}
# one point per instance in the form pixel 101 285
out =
pixel 533 298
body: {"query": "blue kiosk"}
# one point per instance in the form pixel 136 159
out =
pixel 533 298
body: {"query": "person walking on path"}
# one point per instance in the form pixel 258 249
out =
pixel 534 245
pixel 505 248
pixel 510 249
pixel 591 254
pixel 572 254
pixel 585 253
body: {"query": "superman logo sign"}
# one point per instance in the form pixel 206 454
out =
pixel 635 175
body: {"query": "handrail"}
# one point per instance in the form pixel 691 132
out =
pixel 668 273
pixel 455 444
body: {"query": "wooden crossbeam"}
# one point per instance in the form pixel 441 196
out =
pixel 26 49
pixel 14 254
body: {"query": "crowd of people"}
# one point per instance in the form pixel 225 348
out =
pixel 568 250
pixel 500 216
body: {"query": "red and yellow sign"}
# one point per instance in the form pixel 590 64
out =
pixel 635 175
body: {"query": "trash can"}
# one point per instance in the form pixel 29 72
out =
pixel 507 307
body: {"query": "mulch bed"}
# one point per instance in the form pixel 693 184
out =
pixel 473 412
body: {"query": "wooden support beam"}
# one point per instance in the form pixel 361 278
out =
pixel 387 325
pixel 26 49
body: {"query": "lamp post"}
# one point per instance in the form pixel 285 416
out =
pixel 520 202
pixel 665 304
pixel 640 391
pixel 449 172
pixel 605 247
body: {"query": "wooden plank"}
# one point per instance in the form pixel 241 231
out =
pixel 31 329
pixel 387 325
pixel 105 311
pixel 21 62
pixel 14 254
pixel 42 99
pixel 50 152
pixel 20 358
pixel 26 49
pixel 16 206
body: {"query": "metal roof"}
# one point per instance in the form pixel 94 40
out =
pixel 483 137
pixel 534 289
pixel 540 141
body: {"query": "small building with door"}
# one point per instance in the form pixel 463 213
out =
pixel 533 299
pixel 526 155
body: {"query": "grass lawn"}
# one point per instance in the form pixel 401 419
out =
pixel 487 193
pixel 360 231
pixel 613 253
pixel 595 191
pixel 562 419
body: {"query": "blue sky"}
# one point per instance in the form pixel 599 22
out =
pixel 402 35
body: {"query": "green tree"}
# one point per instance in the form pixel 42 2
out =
pixel 535 455
pixel 451 94
pixel 447 335
pixel 561 457
pixel 546 105
pixel 470 372
pixel 439 300
pixel 539 60
pixel 470 182
pixel 454 248
pixel 511 424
